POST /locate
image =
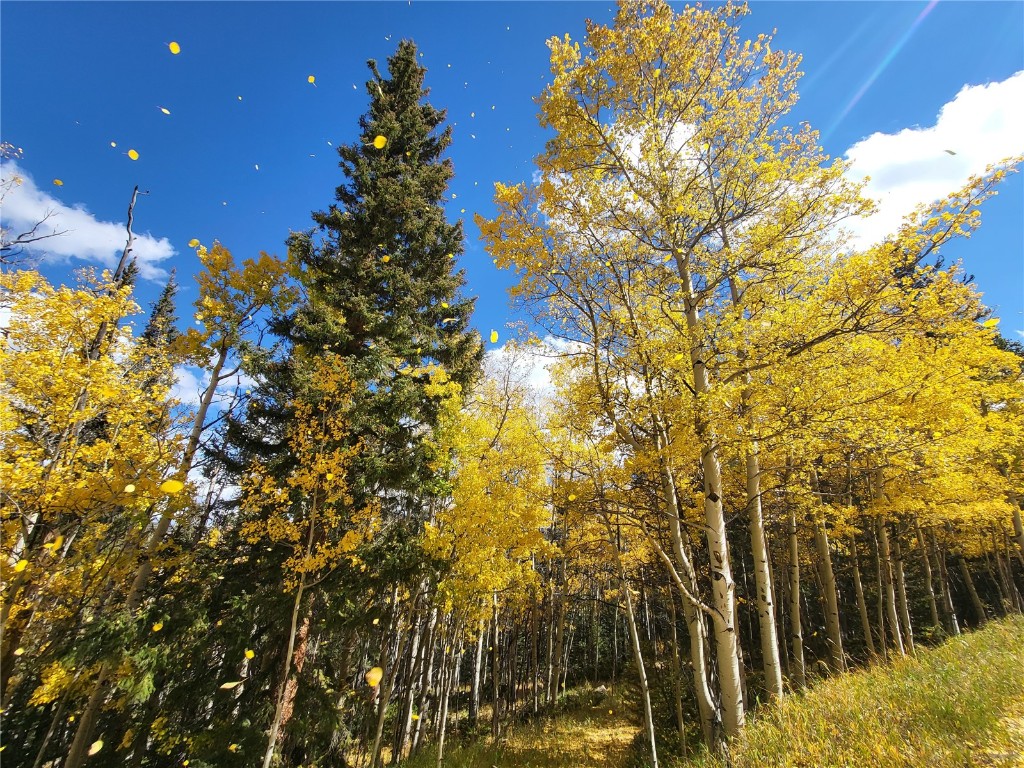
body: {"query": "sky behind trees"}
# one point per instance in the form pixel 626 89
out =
pixel 247 149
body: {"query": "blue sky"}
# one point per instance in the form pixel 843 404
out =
pixel 75 77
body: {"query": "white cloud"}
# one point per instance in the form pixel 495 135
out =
pixel 81 235
pixel 983 124
pixel 191 381
pixel 188 385
pixel 528 365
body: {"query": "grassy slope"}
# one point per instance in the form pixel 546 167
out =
pixel 961 704
pixel 958 705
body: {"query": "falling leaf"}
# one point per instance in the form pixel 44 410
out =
pixel 380 141
pixel 157 626
pixel 133 154
pixel 165 110
pixel 949 151
pixel 376 622
pixel 444 305
pixel 171 486
pixel 233 748
pixel 193 243
pixel 373 676
pixel 229 686
pixel 18 651
pixel 239 98
pixel 992 322
pixel 311 80
pixel 20 566
pixel 175 48
pixel 415 716
pixel 58 183
pixel 385 259
pixel 257 166
pixel 494 337
pixel 250 654
pixel 572 497
pixel 96 746
pixel 113 143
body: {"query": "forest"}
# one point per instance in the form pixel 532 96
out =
pixel 767 456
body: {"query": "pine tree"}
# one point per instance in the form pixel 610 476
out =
pixel 160 334
pixel 381 287
pixel 160 328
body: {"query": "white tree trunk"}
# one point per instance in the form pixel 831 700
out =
pixel 796 628
pixel 763 581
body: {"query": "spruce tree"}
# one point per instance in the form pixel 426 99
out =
pixel 382 290
pixel 161 328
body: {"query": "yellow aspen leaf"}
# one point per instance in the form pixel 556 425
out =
pixel 415 716
pixel 133 154
pixel 385 259
pixel 232 684
pixel 311 80
pixel 175 48
pixel 380 142
pixel 992 322
pixel 444 305
pixel 20 566
pixel 18 651
pixel 193 243
pixel 250 654
pixel 171 486
pixel 165 110
pixel 494 337
pixel 96 746
pixel 572 497
pixel 129 488
pixel 330 475
pixel 113 143
pixel 373 676
pixel 376 622
pixel 58 183
pixel 233 748
pixel 157 626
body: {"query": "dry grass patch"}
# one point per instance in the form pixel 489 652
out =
pixel 960 704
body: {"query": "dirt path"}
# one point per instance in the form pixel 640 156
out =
pixel 595 731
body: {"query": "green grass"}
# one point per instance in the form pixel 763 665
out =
pixel 960 704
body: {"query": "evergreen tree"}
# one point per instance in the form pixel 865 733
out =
pixel 381 288
pixel 161 327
